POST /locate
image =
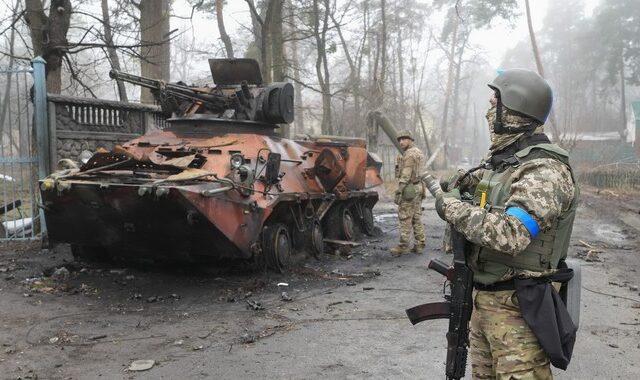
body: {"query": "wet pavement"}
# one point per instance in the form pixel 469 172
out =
pixel 338 317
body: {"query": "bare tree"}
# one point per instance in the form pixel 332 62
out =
pixel 322 64
pixel 223 32
pixel 111 50
pixel 5 101
pixel 155 50
pixel 536 54
pixel 263 27
pixel 49 36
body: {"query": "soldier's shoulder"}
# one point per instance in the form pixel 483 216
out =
pixel 545 170
pixel 413 151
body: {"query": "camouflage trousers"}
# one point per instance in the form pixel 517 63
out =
pixel 410 216
pixel 503 347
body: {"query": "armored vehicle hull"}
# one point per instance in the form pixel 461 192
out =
pixel 212 189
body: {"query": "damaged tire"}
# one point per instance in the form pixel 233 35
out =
pixel 277 247
pixel 341 224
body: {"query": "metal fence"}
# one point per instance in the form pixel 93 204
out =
pixel 19 213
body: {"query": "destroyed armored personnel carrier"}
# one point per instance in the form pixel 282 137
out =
pixel 218 183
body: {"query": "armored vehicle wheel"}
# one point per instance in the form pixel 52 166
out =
pixel 368 225
pixel 341 224
pixel 276 246
pixel 348 224
pixel 316 240
pixel 89 253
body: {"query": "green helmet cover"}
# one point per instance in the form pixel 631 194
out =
pixel 524 91
pixel 405 133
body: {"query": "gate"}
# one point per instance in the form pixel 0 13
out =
pixel 19 160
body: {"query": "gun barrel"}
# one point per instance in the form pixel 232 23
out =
pixel 135 79
pixel 433 185
pixel 175 90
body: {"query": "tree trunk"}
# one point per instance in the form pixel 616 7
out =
pixel 354 74
pixel 111 51
pixel 297 87
pixel 536 54
pixel 444 135
pixel 256 30
pixel 154 32
pixel 277 43
pixel 383 59
pixel 322 68
pixel 378 80
pixel 7 88
pixel 223 32
pixel 49 37
pixel 623 103
pixel 402 119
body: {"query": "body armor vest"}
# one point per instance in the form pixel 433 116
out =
pixel 547 248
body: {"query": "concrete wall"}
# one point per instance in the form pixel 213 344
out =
pixel 77 124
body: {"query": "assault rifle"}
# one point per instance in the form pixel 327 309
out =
pixel 458 304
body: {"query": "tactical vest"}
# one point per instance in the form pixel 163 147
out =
pixel 548 247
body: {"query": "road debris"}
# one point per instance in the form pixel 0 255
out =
pixel 255 305
pixel 141 365
pixel 60 274
pixel 248 338
pixel 286 297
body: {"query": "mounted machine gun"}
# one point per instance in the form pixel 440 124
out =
pixel 238 94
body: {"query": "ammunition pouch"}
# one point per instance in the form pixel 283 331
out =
pixel 409 192
pixel 547 316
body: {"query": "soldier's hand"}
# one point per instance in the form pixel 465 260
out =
pixel 398 197
pixel 449 179
pixel 441 201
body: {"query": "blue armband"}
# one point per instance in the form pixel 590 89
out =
pixel 526 219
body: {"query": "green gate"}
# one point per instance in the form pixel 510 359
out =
pixel 23 149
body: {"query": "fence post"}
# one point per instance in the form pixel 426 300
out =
pixel 40 119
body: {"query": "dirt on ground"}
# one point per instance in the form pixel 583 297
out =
pixel 338 317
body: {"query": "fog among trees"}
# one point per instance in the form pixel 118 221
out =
pixel 414 60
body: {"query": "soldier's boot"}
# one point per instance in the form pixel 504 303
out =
pixel 400 249
pixel 418 248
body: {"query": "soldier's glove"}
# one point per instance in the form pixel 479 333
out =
pixel 450 179
pixel 440 201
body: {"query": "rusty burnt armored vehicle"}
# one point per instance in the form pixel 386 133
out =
pixel 218 183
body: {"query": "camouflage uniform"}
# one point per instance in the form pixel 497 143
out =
pixel 410 211
pixel 502 344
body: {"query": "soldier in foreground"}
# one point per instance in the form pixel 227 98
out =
pixel 409 196
pixel 518 224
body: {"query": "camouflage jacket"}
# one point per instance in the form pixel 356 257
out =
pixel 543 187
pixel 410 165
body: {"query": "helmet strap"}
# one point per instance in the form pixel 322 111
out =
pixel 500 129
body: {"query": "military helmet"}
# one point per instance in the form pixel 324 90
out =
pixel 525 92
pixel 405 133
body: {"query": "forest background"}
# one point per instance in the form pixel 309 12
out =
pixel 425 64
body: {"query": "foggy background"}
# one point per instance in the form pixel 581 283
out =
pixel 425 64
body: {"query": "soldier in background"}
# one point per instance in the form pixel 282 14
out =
pixel 519 224
pixel 409 195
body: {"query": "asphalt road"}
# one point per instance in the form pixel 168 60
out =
pixel 345 317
